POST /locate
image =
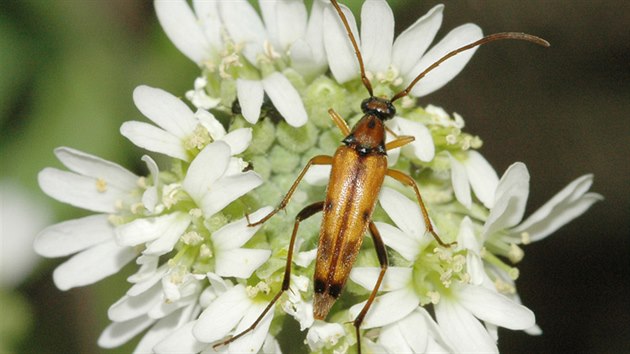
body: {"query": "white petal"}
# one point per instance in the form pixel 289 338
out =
pixel 148 282
pixel 218 319
pixel 181 26
pixel 308 56
pixel 208 121
pixel 119 333
pixel 238 140
pixel 149 229
pixel 341 57
pixel 152 138
pixel 228 189
pixel 495 308
pixel 240 262
pixel 92 265
pixel 79 191
pixel 180 341
pixel 253 341
pixel 235 234
pixel 168 234
pixel 392 339
pixel 409 335
pixel 130 307
pixel 422 147
pixel 566 205
pixel 483 178
pixel 250 95
pixel 93 166
pixel 210 21
pixel 459 179
pixel 199 178
pixel 388 308
pixel 405 213
pixel 286 99
pixel 466 239
pixel 414 41
pixel 510 199
pixel 462 329
pixel 71 236
pixel 148 268
pixel 292 23
pixel 244 26
pixel 377 35
pixel 437 78
pixel 323 334
pixel 395 277
pixel 150 195
pixel 162 329
pixel 403 243
pixel 167 111
pixel 561 216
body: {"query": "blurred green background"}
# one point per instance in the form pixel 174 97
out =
pixel 68 68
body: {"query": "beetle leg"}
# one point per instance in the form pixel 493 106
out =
pixel 408 181
pixel 399 141
pixel 343 126
pixel 305 213
pixel 381 252
pixel 317 160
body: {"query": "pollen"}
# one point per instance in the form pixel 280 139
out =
pixel 526 238
pixel 199 138
pixel 205 251
pixel 101 185
pixel 192 238
pixel 434 297
pixel 515 254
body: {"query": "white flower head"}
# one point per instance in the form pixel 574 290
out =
pixel 227 36
pixel 172 228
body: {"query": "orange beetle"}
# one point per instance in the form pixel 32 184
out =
pixel 359 167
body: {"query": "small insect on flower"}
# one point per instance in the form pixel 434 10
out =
pixel 358 169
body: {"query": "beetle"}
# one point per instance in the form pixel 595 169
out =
pixel 358 169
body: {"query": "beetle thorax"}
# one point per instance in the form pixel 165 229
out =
pixel 368 135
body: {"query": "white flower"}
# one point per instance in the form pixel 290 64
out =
pixel 168 298
pixel 205 34
pixel 97 185
pixel 22 216
pixel 180 133
pixel 146 219
pixel 505 225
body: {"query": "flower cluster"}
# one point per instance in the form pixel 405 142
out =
pixel 260 113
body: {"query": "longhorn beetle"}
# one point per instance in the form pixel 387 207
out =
pixel 359 167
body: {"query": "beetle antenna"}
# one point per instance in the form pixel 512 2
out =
pixel 484 40
pixel 364 78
